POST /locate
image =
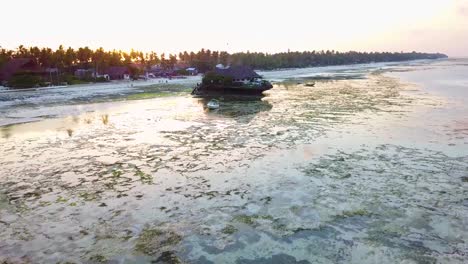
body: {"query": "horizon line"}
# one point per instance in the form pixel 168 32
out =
pixel 65 47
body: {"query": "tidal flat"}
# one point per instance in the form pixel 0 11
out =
pixel 369 165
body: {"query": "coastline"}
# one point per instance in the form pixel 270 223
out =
pixel 21 103
pixel 198 77
pixel 136 83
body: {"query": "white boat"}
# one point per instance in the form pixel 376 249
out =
pixel 213 104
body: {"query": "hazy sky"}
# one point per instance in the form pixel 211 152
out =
pixel 240 25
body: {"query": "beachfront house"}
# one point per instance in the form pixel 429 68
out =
pixel 192 71
pixel 155 70
pixel 118 73
pixel 139 71
pixel 159 71
pixel 19 66
pixel 85 73
pixel 104 77
pixel 89 74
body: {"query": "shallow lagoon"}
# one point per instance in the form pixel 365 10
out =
pixel 362 169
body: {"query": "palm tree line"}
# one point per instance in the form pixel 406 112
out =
pixel 68 59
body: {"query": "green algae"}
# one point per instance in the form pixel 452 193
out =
pixel 357 212
pixel 169 257
pixel 152 240
pixel 22 234
pixel 251 219
pixel 229 230
pixel 295 209
pixel 44 203
pixel 245 219
pixel 98 259
pixel 393 235
pixel 4 201
pixel 88 196
pixel 170 87
pixel 61 199
pixel 144 177
pixel 116 173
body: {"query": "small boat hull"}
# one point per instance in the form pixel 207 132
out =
pixel 212 105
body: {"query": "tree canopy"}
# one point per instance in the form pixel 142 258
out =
pixel 67 59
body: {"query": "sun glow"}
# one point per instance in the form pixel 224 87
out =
pixel 272 26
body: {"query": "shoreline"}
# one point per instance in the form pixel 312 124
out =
pixel 102 105
pixel 141 83
pixel 152 88
pixel 130 84
pixel 159 88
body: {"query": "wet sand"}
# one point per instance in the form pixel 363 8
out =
pixel 358 170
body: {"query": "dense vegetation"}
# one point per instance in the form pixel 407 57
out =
pixel 70 59
pixel 25 81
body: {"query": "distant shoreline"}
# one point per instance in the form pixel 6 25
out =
pixel 357 64
pixel 121 91
pixel 142 83
pixel 28 67
pixel 135 83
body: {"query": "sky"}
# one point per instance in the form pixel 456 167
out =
pixel 240 25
